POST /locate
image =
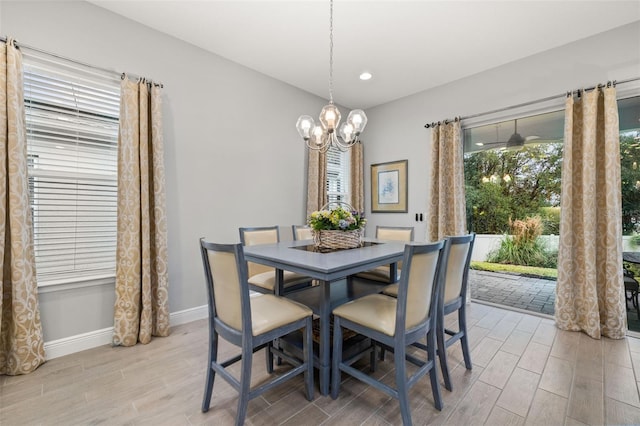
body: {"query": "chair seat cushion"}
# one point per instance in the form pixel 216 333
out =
pixel 375 311
pixel 267 279
pixel 269 312
pixel 381 273
pixel 391 290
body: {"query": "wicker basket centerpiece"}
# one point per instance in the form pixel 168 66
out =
pixel 339 227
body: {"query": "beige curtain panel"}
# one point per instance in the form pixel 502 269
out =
pixel 447 207
pixel 141 308
pixel 357 177
pixel 590 289
pixel 316 181
pixel 21 343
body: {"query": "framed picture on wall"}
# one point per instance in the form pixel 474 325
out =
pixel 389 187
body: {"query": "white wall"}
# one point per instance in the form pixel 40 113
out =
pixel 395 130
pixel 233 155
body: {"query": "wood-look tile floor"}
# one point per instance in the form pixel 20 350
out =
pixel 525 371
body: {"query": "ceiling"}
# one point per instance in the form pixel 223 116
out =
pixel 408 46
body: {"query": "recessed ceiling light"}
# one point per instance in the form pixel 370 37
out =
pixel 365 76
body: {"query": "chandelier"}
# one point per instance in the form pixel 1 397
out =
pixel 326 134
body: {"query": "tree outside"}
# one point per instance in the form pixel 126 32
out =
pixel 506 185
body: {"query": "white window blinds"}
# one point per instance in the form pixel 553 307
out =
pixel 337 175
pixel 72 139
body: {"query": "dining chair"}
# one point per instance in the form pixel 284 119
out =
pixel 397 323
pixel 251 323
pixel 301 232
pixel 391 233
pixel 262 278
pixel 453 298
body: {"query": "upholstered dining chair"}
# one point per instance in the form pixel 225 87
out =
pixel 392 233
pixel 301 232
pixel 397 323
pixel 250 323
pixel 453 298
pixel 263 278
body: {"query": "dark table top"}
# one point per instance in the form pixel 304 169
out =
pixel 631 256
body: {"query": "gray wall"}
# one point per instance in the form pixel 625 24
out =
pixel 233 155
pixel 395 130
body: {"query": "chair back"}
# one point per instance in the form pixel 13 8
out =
pixel 457 271
pixel 396 233
pixel 259 235
pixel 226 279
pixel 301 232
pixel 419 284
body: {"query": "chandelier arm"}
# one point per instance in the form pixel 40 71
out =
pixel 324 147
pixel 342 144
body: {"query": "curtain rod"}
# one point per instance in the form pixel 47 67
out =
pixel 55 55
pixel 549 98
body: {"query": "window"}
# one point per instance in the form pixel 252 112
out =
pixel 72 138
pixel 337 175
pixel 512 171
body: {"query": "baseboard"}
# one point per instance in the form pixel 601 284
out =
pixel 92 339
pixel 189 315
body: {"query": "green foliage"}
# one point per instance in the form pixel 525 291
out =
pixel 337 218
pixel 526 254
pixel 503 185
pixel 634 241
pixel 550 220
pixel 524 246
pixel 516 269
pixel 630 179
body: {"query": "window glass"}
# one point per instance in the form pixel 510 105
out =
pixel 337 175
pixel 72 138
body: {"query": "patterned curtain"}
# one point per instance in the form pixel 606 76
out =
pixel 316 181
pixel 589 291
pixel 447 206
pixel 356 177
pixel 141 308
pixel 21 343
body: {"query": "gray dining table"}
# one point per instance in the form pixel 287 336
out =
pixel 334 271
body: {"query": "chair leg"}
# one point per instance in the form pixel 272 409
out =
pixel 401 384
pixel 337 357
pixel 245 385
pixel 383 352
pixel 373 359
pixel 308 358
pixel 433 373
pixel 211 374
pixel 269 357
pixel 464 341
pixel 442 353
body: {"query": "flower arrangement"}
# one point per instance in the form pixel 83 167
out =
pixel 336 219
pixel 337 228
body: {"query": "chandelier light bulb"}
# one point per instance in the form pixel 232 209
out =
pixel 317 136
pixel 358 119
pixel 304 125
pixel 330 117
pixel 346 132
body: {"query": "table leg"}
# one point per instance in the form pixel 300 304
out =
pixel 393 272
pixel 279 287
pixel 325 343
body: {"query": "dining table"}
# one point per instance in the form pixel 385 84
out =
pixel 335 272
